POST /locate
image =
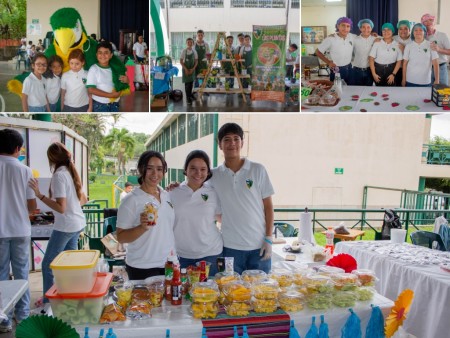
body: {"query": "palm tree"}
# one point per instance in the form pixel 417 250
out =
pixel 121 144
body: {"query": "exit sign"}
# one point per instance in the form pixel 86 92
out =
pixel 339 171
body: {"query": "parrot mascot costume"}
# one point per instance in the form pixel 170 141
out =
pixel 69 34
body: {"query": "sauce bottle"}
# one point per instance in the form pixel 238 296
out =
pixel 203 277
pixel 168 272
pixel 177 295
pixel 329 234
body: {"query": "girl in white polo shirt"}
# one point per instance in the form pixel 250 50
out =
pixel 418 60
pixel 197 208
pixel 65 197
pixel 149 244
pixel 385 58
pixel 34 97
pixel 74 94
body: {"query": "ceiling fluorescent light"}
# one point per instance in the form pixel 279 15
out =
pixel 333 0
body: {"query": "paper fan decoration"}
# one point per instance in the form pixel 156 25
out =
pixel 343 261
pixel 45 327
pixel 398 313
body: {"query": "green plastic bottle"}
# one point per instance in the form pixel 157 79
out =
pixel 303 50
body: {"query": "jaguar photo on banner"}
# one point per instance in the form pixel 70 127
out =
pixel 269 61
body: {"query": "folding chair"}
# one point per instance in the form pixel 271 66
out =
pixel 21 57
pixel 426 239
pixel 109 225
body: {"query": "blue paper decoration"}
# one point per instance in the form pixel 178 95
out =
pixel 293 333
pixel 352 328
pixel 375 326
pixel 323 328
pixel 313 332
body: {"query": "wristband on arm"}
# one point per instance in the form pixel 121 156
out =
pixel 268 239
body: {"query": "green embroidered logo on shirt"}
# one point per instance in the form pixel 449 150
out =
pixel 393 49
pixel 425 50
pixel 205 197
pixel 249 182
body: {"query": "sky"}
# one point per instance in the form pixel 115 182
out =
pixel 147 123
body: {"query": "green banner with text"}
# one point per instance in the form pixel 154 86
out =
pixel 269 62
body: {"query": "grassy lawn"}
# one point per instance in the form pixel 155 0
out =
pixel 369 235
pixel 101 189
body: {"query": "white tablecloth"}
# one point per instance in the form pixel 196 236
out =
pixel 183 325
pixel 11 291
pixel 429 315
pixel 407 97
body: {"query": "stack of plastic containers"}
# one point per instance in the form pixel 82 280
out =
pixel 78 295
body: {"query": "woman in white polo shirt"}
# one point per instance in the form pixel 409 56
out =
pixel 65 197
pixel 197 208
pixel 418 60
pixel 149 245
pixel 385 58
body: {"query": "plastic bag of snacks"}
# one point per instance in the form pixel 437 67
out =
pixel 366 277
pixel 112 313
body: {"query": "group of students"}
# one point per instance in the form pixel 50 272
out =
pixel 416 57
pixel 193 61
pixel 238 193
pixel 18 199
pixel 48 89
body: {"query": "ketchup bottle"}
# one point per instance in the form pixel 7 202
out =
pixel 168 271
pixel 177 295
pixel 203 277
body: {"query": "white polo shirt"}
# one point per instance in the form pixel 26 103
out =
pixel 385 54
pixel 75 85
pixel 14 193
pixel 154 246
pixel 186 52
pixel 362 47
pixel 62 186
pixel 241 197
pixel 341 50
pixel 441 39
pixel 419 58
pixel 53 89
pixel 196 234
pixel 101 78
pixel 35 89
pixel 140 49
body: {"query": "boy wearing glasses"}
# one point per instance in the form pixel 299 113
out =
pixel 100 84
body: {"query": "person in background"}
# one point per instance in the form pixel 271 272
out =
pixel 202 48
pixel 127 189
pixel 189 60
pixel 17 201
pixel 419 60
pixel 139 49
pixel 291 55
pixel 149 243
pixel 197 207
pixel 245 195
pixel 440 44
pixel 361 75
pixel 340 47
pixel 385 58
pixel 65 198
pixel 246 55
pixel 226 65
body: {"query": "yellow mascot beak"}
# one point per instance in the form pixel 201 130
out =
pixel 65 38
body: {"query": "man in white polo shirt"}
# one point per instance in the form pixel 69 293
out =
pixel 17 200
pixel 245 194
pixel 340 46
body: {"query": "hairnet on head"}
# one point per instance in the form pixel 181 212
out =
pixel 426 17
pixel 344 19
pixel 421 26
pixel 406 23
pixel 363 21
pixel 389 26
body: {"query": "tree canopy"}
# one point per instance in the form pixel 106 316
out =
pixel 13 14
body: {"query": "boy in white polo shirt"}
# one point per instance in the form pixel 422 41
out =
pixel 17 200
pixel 245 195
pixel 361 75
pixel 100 83
pixel 340 46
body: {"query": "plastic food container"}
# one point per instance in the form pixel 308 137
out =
pixel 237 291
pixel 238 309
pixel 204 292
pixel 84 308
pixel 253 276
pixel 366 277
pixel 264 305
pixel 345 298
pixel 282 276
pixel 299 275
pixel 223 278
pixel 365 293
pixel 329 270
pixel 266 289
pixel 123 293
pixel 204 309
pixel 345 281
pixel 319 301
pixel 318 284
pixel 291 301
pixel 75 271
pixel 156 293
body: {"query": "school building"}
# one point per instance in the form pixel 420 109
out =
pixel 181 19
pixel 315 161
